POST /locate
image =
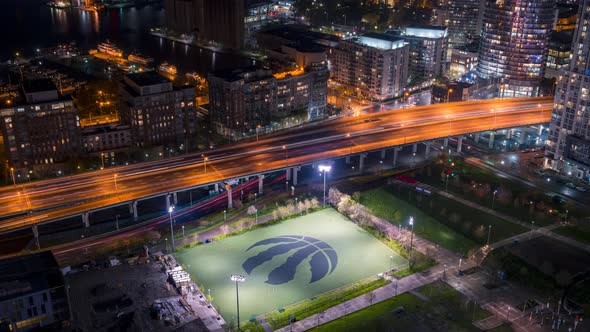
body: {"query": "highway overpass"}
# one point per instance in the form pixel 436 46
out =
pixel 26 204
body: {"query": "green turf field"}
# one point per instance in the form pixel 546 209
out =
pixel 299 258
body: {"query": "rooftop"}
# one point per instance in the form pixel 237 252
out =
pixel 299 33
pixel 38 85
pixel 22 275
pixel 147 78
pixel 426 31
pixel 381 41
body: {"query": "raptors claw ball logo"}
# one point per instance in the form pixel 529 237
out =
pixel 323 257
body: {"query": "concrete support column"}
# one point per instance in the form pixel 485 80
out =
pixel 216 188
pixel 296 170
pixel 347 159
pixel 175 198
pixel 395 152
pixel 260 183
pixel 36 236
pixel 414 148
pixel 427 151
pixel 168 204
pixel 86 219
pixel 131 207
pixel 383 152
pixel 491 142
pixel 459 143
pixel 230 203
pixel 134 209
pixel 362 157
pixel 476 137
pixel 288 173
pixel 523 134
pixel 446 142
pixel 508 133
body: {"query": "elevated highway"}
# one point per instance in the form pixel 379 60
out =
pixel 26 204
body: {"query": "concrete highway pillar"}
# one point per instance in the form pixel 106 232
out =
pixel 491 142
pixel 168 204
pixel 446 142
pixel 508 133
pixel 36 236
pixel 288 173
pixel 362 157
pixel 216 188
pixel 296 170
pixel 131 207
pixel 383 152
pixel 427 151
pixel 230 203
pixel 476 138
pixel 134 209
pixel 347 159
pixel 459 143
pixel 395 152
pixel 523 134
pixel 86 219
pixel 175 198
pixel 260 183
pixel 414 148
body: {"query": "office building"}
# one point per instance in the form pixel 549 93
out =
pixel 428 51
pixel 568 144
pixel 157 112
pixel 462 61
pixel 41 128
pixel 32 294
pixel 560 45
pixel 514 44
pixel 374 65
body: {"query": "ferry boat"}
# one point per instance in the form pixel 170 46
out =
pixel 110 49
pixel 167 68
pixel 140 59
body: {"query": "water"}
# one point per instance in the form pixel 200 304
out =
pixel 26 25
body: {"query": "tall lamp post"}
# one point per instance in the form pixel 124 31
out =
pixel 489 232
pixel 494 198
pixel 324 169
pixel 170 210
pixel 411 238
pixel 238 278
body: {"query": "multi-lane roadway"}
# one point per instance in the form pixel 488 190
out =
pixel 26 204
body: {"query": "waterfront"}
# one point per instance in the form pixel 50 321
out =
pixel 28 25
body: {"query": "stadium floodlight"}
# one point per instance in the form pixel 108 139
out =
pixel 238 278
pixel 325 169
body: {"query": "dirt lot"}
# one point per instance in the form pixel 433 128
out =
pixel 119 298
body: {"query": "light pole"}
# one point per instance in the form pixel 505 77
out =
pixel 170 210
pixel 117 221
pixel 390 263
pixel 102 160
pixel 205 162
pixel 255 197
pixel 166 239
pixel 411 238
pixel 13 178
pixel 449 91
pixel 447 183
pixel 489 232
pixel 238 278
pixel 286 156
pixel 324 169
pixel 257 127
pixel 494 198
pixel 183 231
pixel 224 214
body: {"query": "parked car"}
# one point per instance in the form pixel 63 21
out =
pixel 570 185
pixel 582 189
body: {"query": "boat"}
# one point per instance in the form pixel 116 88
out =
pixel 167 68
pixel 58 4
pixel 110 49
pixel 140 59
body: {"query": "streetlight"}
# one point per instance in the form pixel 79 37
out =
pixel 285 148
pixel 255 197
pixel 447 182
pixel 102 160
pixel 238 278
pixel 449 91
pixel 166 239
pixel 494 198
pixel 489 232
pixel 170 210
pixel 205 162
pixel 411 237
pixel 183 231
pixel 13 178
pixel 257 127
pixel 324 169
pixel 224 214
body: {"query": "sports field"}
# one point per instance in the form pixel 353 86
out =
pixel 286 263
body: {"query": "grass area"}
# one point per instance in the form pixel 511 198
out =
pixel 322 302
pixel 285 270
pixel 518 270
pixel 477 185
pixel 578 233
pixel 445 310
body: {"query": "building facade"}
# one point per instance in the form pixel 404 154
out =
pixel 462 61
pixel 464 21
pixel 41 129
pixel 157 112
pixel 374 65
pixel 428 51
pixel 514 44
pixel 32 293
pixel 568 144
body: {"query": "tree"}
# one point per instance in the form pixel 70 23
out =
pixel 224 229
pixel 251 210
pixel 356 196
